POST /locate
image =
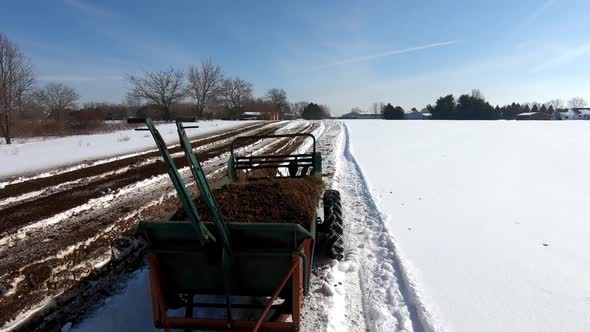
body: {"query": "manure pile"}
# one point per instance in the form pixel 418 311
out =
pixel 287 200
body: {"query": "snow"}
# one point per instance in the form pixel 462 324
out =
pixel 134 301
pixel 450 226
pixel 488 220
pixel 379 293
pixel 131 309
pixel 364 292
pixel 17 159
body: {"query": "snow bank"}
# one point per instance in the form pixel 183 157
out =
pixel 491 217
pixel 16 159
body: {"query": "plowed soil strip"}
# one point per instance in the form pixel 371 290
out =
pixel 16 189
pixel 19 215
pixel 75 248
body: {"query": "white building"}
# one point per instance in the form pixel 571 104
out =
pixel 576 114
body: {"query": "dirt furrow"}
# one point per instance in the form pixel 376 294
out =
pixel 19 215
pixel 100 230
pixel 20 188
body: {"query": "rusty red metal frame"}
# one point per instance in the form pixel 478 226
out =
pixel 296 274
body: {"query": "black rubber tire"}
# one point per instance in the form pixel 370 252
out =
pixel 333 226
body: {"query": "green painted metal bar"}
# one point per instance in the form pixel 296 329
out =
pixel 203 233
pixel 226 261
pixel 204 188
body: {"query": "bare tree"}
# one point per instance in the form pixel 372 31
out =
pixel 298 107
pixel 377 107
pixel 326 110
pixel 356 109
pixel 477 94
pixel 556 103
pixel 16 79
pixel 278 97
pixel 204 84
pixel 162 88
pixel 56 98
pixel 235 93
pixel 133 103
pixel 577 102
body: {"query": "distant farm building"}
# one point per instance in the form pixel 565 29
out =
pixel 273 116
pixel 415 115
pixel 289 116
pixel 250 116
pixel 533 116
pixel 363 116
pixel 576 114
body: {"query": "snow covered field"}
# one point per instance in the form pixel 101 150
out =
pixel 490 219
pixel 450 226
pixel 46 154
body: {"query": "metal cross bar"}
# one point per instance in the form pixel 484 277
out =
pixel 259 137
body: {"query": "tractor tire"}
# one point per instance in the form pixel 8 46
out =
pixel 333 226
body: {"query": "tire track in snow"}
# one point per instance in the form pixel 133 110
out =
pixel 331 305
pixel 388 297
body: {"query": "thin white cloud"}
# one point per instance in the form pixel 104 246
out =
pixel 88 8
pixel 386 54
pixel 565 57
pixel 538 11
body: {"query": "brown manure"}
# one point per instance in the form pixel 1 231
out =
pixel 286 200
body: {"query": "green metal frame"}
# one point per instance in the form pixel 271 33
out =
pixel 203 234
pixel 203 184
pixel 313 158
pixel 252 261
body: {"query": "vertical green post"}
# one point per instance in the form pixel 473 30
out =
pixel 204 188
pixel 203 233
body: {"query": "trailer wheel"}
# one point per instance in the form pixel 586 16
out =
pixel 333 226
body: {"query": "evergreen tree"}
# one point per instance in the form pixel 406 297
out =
pixel 472 107
pixel 388 111
pixel 511 111
pixel 535 108
pixel 393 113
pixel 444 108
pixel 400 114
pixel 544 109
pixel 314 112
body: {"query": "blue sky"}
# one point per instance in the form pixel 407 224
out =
pixel 339 53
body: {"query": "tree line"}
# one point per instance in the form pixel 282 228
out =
pixel 474 106
pixel 212 94
pixel 203 91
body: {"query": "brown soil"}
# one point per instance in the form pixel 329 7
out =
pixel 19 215
pixel 20 188
pixel 33 256
pixel 286 200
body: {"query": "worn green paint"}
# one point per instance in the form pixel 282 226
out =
pixel 203 184
pixel 262 256
pixel 200 233
pixel 252 262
